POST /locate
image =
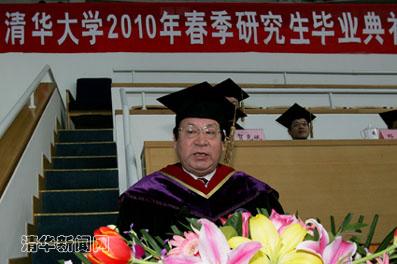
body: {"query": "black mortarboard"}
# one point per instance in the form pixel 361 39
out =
pixel 199 101
pixel 240 113
pixel 231 89
pixel 295 112
pixel 389 117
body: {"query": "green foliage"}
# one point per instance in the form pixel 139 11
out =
pixel 155 249
pixel 228 231
pixel 263 211
pixel 371 231
pixel 194 223
pixel 333 226
pixel 315 236
pixel 81 257
pixel 235 221
pixel 353 231
pixel 176 230
pixel 386 241
pixel 347 227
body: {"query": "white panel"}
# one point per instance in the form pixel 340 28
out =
pixel 286 100
pixel 69 67
pixel 365 100
pixel 16 202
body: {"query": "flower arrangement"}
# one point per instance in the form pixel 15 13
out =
pixel 244 238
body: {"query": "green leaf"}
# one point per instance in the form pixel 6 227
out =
pixel 187 225
pixel 371 231
pixel 151 242
pixel 81 257
pixel 159 240
pixel 235 221
pixel 193 222
pixel 360 221
pixel 228 231
pixel 134 237
pixel 263 211
pixel 354 227
pixel 386 241
pixel 308 237
pixel 176 230
pixel 346 222
pixel 362 251
pixel 355 239
pixel 333 227
pixel 316 234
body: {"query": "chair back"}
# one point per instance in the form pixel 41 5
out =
pixel 93 94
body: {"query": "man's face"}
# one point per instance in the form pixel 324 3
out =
pixel 199 145
pixel 299 129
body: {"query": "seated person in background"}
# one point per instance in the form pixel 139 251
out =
pixel 390 118
pixel 298 121
pixel 235 94
pixel 197 186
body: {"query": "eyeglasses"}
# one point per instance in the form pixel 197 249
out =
pixel 192 131
pixel 299 123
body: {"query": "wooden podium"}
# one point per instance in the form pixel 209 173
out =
pixel 316 178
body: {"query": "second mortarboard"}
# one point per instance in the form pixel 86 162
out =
pixel 390 117
pixel 295 112
pixel 231 89
pixel 199 101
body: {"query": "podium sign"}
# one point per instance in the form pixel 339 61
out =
pixel 249 134
pixel 388 133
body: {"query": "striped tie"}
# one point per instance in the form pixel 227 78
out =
pixel 203 180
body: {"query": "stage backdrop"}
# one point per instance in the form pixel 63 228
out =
pixel 198 27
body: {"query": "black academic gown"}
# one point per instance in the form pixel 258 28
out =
pixel 167 197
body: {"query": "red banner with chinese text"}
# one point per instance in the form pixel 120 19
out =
pixel 198 27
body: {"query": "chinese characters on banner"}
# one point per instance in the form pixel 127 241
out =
pixel 198 27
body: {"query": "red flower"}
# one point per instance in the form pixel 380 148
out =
pixel 138 251
pixel 109 247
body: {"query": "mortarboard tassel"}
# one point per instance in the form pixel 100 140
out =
pixel 242 108
pixel 229 140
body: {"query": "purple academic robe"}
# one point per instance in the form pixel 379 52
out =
pixel 167 197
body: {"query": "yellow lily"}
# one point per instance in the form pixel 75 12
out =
pixel 276 248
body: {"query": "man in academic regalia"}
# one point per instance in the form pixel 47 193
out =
pixel 390 118
pixel 298 121
pixel 198 186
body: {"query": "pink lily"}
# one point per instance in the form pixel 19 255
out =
pixel 338 251
pixel 245 223
pixel 214 249
pixel 245 216
pixel 281 221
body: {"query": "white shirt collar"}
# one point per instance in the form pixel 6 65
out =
pixel 208 177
